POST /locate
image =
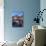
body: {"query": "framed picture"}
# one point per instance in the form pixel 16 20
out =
pixel 17 19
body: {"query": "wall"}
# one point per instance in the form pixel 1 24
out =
pixel 29 7
pixel 1 21
pixel 43 6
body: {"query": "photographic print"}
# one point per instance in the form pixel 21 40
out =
pixel 17 19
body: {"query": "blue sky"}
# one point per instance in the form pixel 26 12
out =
pixel 17 13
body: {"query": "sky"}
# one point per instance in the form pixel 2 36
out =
pixel 17 13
